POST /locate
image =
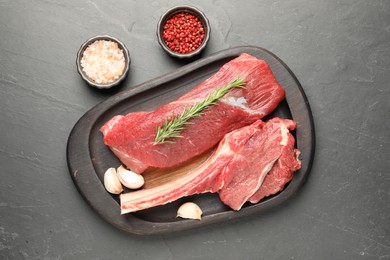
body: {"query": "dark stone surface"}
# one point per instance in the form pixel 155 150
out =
pixel 340 52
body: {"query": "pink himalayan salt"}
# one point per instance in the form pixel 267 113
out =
pixel 103 61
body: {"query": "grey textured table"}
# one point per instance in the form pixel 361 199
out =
pixel 340 52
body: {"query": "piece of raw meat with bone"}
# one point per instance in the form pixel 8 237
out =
pixel 236 169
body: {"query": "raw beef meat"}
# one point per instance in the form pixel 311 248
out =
pixel 131 137
pixel 245 173
pixel 236 169
pixel 280 174
pixel 200 180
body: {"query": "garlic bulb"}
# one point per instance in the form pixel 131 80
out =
pixel 130 179
pixel 111 182
pixel 189 210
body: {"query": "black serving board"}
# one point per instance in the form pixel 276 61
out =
pixel 88 157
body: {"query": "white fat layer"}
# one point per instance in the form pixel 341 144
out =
pixel 241 102
pixel 267 168
pixel 238 102
pixel 264 173
pixel 284 131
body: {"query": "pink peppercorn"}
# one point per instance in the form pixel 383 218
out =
pixel 183 33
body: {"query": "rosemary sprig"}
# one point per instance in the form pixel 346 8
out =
pixel 172 126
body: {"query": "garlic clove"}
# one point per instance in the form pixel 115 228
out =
pixel 111 181
pixel 130 179
pixel 189 210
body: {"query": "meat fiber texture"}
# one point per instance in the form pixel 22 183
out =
pixel 249 164
pixel 131 137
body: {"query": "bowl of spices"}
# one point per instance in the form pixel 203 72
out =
pixel 103 61
pixel 183 31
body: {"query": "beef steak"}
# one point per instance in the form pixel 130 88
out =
pixel 131 137
pixel 244 174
